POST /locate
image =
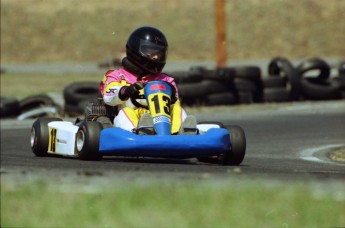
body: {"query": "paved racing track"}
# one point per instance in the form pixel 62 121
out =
pixel 283 141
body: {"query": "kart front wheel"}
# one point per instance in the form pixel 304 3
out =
pixel 39 139
pixel 87 140
pixel 236 155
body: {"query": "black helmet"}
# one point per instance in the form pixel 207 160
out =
pixel 147 48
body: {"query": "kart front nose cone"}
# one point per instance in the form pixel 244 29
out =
pixel 80 140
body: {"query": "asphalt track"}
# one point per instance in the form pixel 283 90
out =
pixel 288 141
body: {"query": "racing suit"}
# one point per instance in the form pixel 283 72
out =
pixel 129 115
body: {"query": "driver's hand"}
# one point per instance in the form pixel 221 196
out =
pixel 130 91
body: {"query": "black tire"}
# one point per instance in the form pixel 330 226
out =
pixel 47 111
pixel 283 67
pixel 244 97
pixel 185 77
pixel 245 90
pixel 200 89
pixel 224 98
pixel 105 122
pixel 87 140
pixel 245 85
pixel 238 147
pixel 197 70
pixel 237 153
pixel 221 74
pixel 81 91
pixel 9 107
pixel 314 64
pixel 226 74
pixel 252 74
pixel 73 110
pixel 40 136
pixel 76 110
pixel 36 101
pixel 273 81
pixel 341 81
pixel 328 91
pixel 277 66
pixel 190 101
pixel 277 94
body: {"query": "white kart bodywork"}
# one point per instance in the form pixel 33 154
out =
pixel 205 127
pixel 62 137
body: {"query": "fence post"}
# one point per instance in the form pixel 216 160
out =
pixel 221 53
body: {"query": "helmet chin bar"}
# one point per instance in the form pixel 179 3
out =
pixel 153 67
pixel 131 67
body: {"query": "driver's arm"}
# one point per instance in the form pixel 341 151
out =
pixel 111 93
pixel 128 91
pixel 174 94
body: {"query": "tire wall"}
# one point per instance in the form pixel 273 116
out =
pixel 310 79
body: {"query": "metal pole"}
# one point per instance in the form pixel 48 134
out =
pixel 221 56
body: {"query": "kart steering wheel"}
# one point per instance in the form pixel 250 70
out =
pixel 136 103
pixel 139 105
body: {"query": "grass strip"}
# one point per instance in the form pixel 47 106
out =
pixel 21 85
pixel 173 204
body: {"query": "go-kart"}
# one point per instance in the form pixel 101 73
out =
pixel 90 139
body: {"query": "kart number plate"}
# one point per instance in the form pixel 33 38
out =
pixel 52 139
pixel 159 104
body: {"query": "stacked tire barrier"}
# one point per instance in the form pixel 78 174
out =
pixel 204 87
pixel 319 85
pixel 311 79
pixel 29 107
pixel 77 95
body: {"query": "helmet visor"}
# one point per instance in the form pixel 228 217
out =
pixel 152 51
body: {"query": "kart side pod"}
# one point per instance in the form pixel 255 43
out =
pixel 119 142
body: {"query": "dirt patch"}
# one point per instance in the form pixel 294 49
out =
pixel 338 155
pixel 94 30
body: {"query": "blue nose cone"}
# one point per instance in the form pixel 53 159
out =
pixel 158 95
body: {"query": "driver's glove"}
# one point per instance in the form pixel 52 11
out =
pixel 130 91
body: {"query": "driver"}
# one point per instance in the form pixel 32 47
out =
pixel 146 54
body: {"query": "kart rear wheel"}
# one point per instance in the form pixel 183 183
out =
pixel 87 140
pixel 40 136
pixel 236 155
